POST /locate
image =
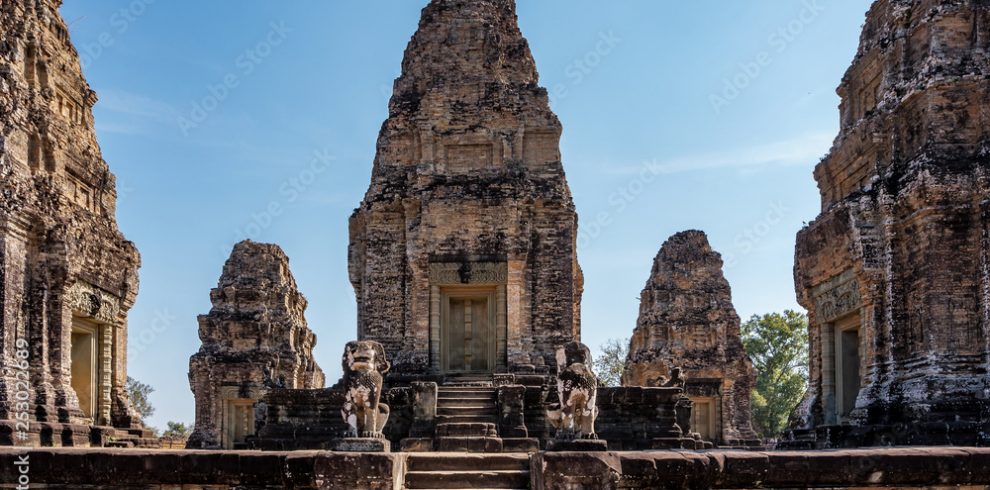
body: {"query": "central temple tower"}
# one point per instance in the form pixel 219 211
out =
pixel 463 252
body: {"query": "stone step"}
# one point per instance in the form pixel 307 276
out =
pixel 455 400
pixel 466 419
pixel 462 430
pixel 472 411
pixel 468 462
pixel 460 393
pixel 464 406
pixel 467 479
pixel 468 444
pixel 520 445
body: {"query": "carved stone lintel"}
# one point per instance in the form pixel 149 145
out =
pixel 837 297
pixel 87 301
pixel 468 273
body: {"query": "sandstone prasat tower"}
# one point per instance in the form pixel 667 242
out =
pixel 894 271
pixel 687 321
pixel 67 275
pixel 463 252
pixel 255 338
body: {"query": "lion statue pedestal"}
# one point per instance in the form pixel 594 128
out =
pixel 364 365
pixel 577 387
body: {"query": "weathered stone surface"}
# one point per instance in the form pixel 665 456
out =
pixel 915 468
pixel 894 270
pixel 577 391
pixel 633 418
pixel 310 419
pixel 687 321
pixel 255 338
pixel 467 191
pixel 64 265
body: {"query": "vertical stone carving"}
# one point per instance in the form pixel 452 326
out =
pixel 458 200
pixel 893 272
pixel 687 323
pixel 64 265
pixel 255 338
pixel 511 404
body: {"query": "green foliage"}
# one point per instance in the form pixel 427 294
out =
pixel 177 430
pixel 139 393
pixel 778 345
pixel 611 361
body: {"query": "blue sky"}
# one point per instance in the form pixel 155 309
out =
pixel 255 119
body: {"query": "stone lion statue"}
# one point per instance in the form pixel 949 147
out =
pixel 676 379
pixel 577 387
pixel 364 366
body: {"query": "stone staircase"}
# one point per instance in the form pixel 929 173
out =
pixel 466 421
pixel 436 471
pixel 466 417
pixel 111 437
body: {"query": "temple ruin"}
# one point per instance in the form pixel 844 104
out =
pixel 893 272
pixel 255 338
pixel 68 276
pixel 468 224
pixel 462 258
pixel 687 321
pixel 466 369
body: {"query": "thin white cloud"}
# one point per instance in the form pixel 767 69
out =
pixel 137 106
pixel 802 150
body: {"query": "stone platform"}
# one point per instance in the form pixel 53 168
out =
pixel 87 469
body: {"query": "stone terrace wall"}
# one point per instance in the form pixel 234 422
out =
pixel 195 470
pixel 309 419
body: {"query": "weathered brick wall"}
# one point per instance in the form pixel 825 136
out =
pixel 901 246
pixel 467 170
pixel 255 338
pixel 309 419
pixel 63 256
pixel 687 320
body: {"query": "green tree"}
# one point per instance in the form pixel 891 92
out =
pixel 139 393
pixel 611 361
pixel 176 430
pixel 778 345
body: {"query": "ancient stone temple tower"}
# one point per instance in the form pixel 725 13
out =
pixel 255 338
pixel 67 275
pixel 894 270
pixel 462 253
pixel 687 321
